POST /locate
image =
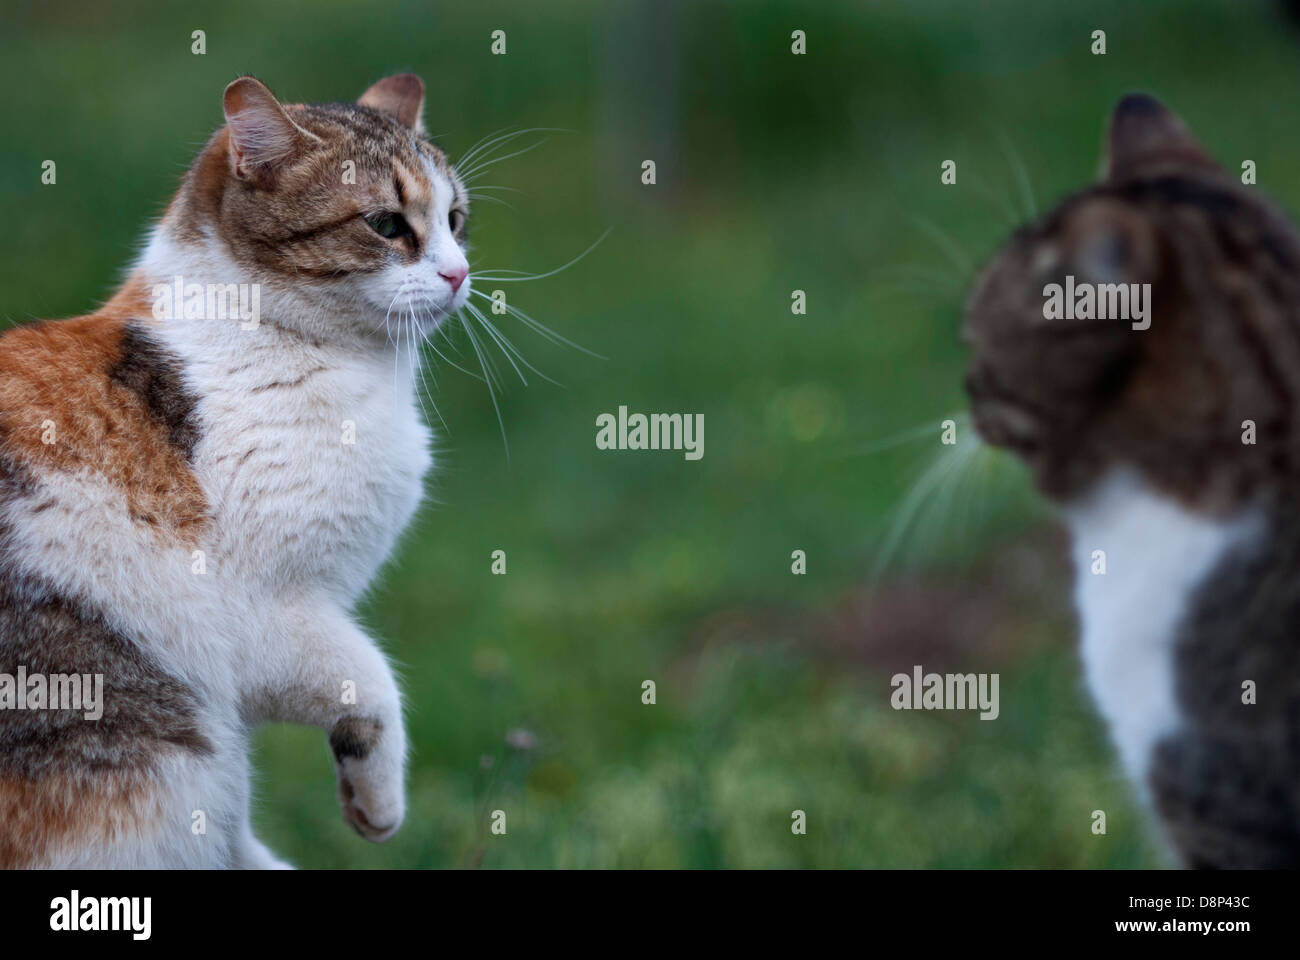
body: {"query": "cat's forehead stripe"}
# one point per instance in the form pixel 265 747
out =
pixel 414 187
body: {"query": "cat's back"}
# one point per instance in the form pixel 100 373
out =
pixel 96 403
pixel 1227 783
pixel 93 437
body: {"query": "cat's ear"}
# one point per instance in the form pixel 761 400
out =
pixel 261 134
pixel 400 96
pixel 1145 134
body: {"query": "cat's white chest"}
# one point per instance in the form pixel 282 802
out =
pixel 313 462
pixel 332 479
pixel 1156 554
pixel 341 475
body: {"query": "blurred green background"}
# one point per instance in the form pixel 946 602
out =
pixel 775 173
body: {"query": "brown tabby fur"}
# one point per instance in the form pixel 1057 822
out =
pixel 1073 397
pixel 1076 398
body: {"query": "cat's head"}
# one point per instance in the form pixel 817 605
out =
pixel 1167 393
pixel 344 213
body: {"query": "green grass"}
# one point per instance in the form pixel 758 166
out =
pixel 775 173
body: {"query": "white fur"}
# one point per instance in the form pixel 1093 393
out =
pixel 1157 554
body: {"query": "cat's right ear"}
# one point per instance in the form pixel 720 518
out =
pixel 400 96
pixel 261 136
pixel 1144 134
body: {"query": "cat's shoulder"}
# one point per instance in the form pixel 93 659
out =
pixel 100 396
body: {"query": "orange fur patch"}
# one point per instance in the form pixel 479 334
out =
pixel 56 384
pixel 41 818
pixel 132 301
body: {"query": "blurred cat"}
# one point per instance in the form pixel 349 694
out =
pixel 1173 448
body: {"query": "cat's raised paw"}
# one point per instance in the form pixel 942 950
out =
pixel 368 814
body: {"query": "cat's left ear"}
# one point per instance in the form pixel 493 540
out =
pixel 260 135
pixel 1145 134
pixel 400 96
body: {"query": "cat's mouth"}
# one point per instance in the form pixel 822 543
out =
pixel 425 307
pixel 1008 426
pixel 1001 420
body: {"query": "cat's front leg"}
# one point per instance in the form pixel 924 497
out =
pixel 369 756
pixel 331 675
pixel 251 854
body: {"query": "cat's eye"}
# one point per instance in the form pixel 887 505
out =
pixel 455 220
pixel 390 226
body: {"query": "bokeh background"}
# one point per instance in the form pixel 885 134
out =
pixel 775 173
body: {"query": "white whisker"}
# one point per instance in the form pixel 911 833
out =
pixel 506 346
pixel 947 468
pixel 497 278
pixel 468 176
pixel 538 327
pixel 483 362
pixel 1022 176
pixel 503 136
pixel 947 244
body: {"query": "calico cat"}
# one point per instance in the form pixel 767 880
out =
pixel 1175 449
pixel 191 504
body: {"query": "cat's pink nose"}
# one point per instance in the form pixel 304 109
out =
pixel 456 276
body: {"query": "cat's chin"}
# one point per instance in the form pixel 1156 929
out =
pixel 407 314
pixel 403 330
pixel 429 319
